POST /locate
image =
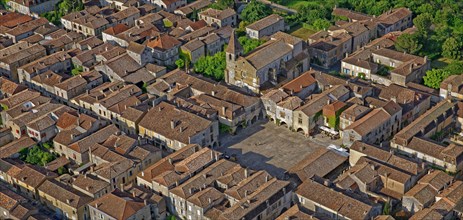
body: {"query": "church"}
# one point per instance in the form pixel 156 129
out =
pixel 282 58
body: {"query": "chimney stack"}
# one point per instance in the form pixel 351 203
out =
pixel 172 124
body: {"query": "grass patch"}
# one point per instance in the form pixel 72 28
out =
pixel 302 32
pixel 441 63
pixel 295 4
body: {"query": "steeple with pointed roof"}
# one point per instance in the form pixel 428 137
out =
pixel 234 47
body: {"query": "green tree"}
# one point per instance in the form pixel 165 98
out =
pixel 223 4
pixel 194 15
pixel 77 70
pixel 321 23
pixel 425 8
pixel 249 44
pixel 408 43
pixel 451 48
pixel 255 11
pixel 211 66
pixel 36 155
pixel 180 63
pixel 310 12
pixel 434 77
pixel 423 23
pixel 454 68
pixel 62 170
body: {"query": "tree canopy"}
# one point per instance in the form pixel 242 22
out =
pixel 223 4
pixel 451 48
pixel 62 8
pixel 408 43
pixel 212 66
pixel 255 11
pixel 434 77
pixel 249 44
pixel 36 155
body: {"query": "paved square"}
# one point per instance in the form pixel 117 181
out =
pixel 266 146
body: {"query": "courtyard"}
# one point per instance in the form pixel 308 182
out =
pixel 266 146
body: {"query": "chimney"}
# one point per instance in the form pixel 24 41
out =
pixel 245 193
pixel 122 187
pixel 224 109
pixel 209 200
pixel 212 155
pixel 92 169
pixel 145 202
pixel 142 173
pixel 68 201
pixel 246 172
pixel 170 160
pixel 326 182
pixel 213 93
pixel 266 178
pixel 134 194
pixel 172 124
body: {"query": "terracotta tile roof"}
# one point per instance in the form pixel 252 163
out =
pixel 206 197
pixel 33 176
pixel 351 14
pixel 164 42
pixel 57 163
pixel 166 164
pixel 354 112
pixel 385 156
pixel 265 22
pixel 218 14
pixel 299 83
pixel 318 163
pixel 27 27
pixel 83 145
pixel 15 146
pixel 436 179
pixel 296 213
pixel 119 205
pixel 197 25
pixel 405 135
pixel 275 95
pixel 316 102
pixel 267 53
pixel 10 87
pixel 64 194
pixel 9 199
pixel 14 19
pixel 450 153
pixel 203 179
pixel 250 207
pixel 393 16
pixel 89 183
pixel 186 124
pixel 90 42
pixel 117 29
pixel 369 122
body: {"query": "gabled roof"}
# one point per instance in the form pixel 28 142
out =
pixel 164 42
pixel 118 205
